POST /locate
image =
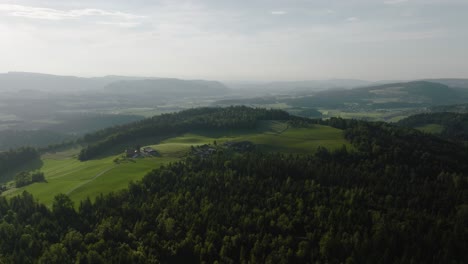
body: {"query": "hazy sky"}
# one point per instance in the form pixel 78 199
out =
pixel 243 39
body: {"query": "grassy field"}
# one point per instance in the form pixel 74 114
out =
pixel 370 115
pixel 392 115
pixel 431 128
pixel 142 111
pixel 268 136
pixel 65 174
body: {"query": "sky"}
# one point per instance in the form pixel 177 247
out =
pixel 237 40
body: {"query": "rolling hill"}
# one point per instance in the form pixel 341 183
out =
pixel 79 180
pixel 385 96
pixel 399 196
pixel 29 82
pixel 418 93
pixel 296 87
pixel 168 88
pixel 452 82
pixel 17 81
pixel 449 125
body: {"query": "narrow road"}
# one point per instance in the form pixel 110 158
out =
pixel 90 180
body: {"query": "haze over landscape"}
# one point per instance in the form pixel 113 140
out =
pixel 204 131
pixel 237 40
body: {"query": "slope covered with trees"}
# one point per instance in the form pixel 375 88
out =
pixel 401 197
pixel 453 125
pixel 11 160
pixel 407 94
pixel 33 138
pixel 237 117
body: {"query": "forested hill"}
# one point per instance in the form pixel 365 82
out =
pixel 236 117
pixel 446 124
pixel 400 197
pixel 414 93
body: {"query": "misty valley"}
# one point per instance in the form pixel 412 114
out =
pixel 201 131
pixel 154 170
pixel 39 110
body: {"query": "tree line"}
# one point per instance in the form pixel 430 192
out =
pixel 16 158
pixel 24 178
pixel 234 117
pixel 455 125
pixel 400 197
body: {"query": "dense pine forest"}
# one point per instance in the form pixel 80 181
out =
pixel 225 132
pixel 400 197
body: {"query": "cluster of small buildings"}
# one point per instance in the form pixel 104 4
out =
pixel 140 152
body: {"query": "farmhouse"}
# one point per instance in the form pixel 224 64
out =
pixel 150 151
pixel 132 153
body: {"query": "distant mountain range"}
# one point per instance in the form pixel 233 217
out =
pixel 296 87
pixel 312 86
pixel 382 96
pixel 387 95
pixel 19 81
pixel 455 83
pixel 166 87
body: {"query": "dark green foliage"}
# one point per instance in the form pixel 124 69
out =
pixel 400 198
pixel 456 108
pixel 60 146
pixel 14 159
pixel 391 105
pixel 248 101
pixel 236 117
pixel 80 123
pixel 455 124
pixel 308 112
pixel 37 176
pixel 25 178
pixel 22 179
pixel 33 138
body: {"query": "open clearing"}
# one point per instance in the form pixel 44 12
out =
pixel 270 136
pixel 431 128
pixel 65 174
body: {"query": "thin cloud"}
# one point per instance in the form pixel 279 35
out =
pixel 55 14
pixel 119 24
pixel 394 2
pixel 352 19
pixel 279 13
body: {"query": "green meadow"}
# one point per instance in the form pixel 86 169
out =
pixel 79 180
pixel 271 136
pixel 431 128
pixel 65 174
